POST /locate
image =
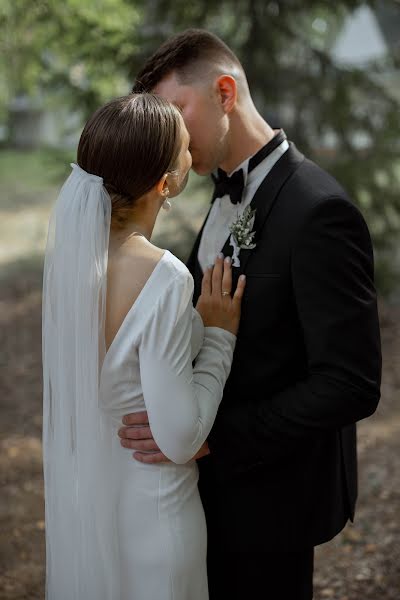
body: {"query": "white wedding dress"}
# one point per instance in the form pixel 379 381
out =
pixel 160 520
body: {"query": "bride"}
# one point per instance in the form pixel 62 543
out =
pixel 120 335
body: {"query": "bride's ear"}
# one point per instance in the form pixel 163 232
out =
pixel 162 186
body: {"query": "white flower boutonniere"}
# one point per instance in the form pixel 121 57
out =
pixel 242 234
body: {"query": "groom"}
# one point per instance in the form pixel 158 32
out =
pixel 281 473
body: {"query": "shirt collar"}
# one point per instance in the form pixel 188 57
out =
pixel 278 138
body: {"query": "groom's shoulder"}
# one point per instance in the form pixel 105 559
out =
pixel 317 193
pixel 313 183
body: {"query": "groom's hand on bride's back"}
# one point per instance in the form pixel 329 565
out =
pixel 136 435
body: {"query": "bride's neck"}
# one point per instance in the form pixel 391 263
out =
pixel 138 223
pixel 123 236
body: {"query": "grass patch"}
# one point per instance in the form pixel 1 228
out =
pixel 37 168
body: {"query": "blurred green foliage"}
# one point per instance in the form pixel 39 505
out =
pixel 74 51
pixel 81 53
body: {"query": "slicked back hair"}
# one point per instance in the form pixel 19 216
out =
pixel 191 55
pixel 131 142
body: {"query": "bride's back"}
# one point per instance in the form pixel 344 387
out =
pixel 129 268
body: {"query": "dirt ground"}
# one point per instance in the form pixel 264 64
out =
pixel 362 563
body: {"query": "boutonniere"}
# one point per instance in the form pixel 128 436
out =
pixel 242 234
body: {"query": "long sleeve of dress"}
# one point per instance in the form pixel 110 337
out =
pixel 181 400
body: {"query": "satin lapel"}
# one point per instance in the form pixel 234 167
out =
pixel 264 199
pixel 191 261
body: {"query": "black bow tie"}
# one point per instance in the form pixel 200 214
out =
pixel 233 185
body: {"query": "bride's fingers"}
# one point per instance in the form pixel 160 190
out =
pixel 238 295
pixel 206 282
pixel 227 278
pixel 216 279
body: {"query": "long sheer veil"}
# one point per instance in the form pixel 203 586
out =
pixel 80 495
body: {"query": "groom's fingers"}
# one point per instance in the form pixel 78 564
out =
pixel 140 445
pixel 154 457
pixel 135 433
pixel 138 418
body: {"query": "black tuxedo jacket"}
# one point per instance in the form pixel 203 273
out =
pixel 282 472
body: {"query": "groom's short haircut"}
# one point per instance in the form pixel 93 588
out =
pixel 193 55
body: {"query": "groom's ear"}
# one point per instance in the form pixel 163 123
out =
pixel 227 92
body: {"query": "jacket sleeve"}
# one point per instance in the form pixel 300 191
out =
pixel 333 284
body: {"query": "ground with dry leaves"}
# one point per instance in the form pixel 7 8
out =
pixel 362 563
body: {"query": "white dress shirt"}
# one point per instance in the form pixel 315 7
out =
pixel 223 212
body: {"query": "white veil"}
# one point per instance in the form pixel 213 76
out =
pixel 80 496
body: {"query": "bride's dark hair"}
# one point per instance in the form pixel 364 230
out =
pixel 131 142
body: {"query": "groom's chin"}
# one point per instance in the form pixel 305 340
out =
pixel 201 169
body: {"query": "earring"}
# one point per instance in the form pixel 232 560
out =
pixel 166 205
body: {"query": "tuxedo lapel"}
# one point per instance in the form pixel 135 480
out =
pixel 192 260
pixel 193 264
pixel 264 200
